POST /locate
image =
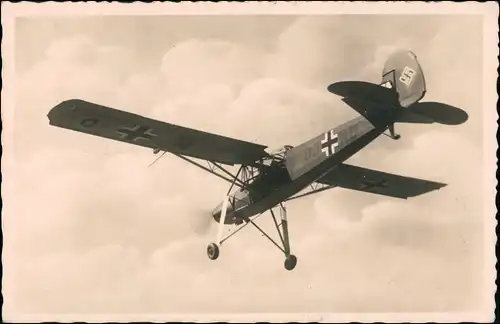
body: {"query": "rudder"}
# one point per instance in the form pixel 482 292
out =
pixel 403 72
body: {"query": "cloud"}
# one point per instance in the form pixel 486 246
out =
pixel 119 237
pixel 194 63
pixel 439 233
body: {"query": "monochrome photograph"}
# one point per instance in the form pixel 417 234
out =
pixel 259 161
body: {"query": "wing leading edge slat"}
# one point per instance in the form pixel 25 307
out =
pixel 377 182
pixel 90 118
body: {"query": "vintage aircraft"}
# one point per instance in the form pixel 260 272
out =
pixel 267 180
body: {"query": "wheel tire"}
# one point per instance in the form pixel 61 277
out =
pixel 213 251
pixel 290 262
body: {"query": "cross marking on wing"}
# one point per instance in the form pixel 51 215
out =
pixel 136 132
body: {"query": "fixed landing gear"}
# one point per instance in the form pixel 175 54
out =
pixel 213 251
pixel 282 229
pixel 290 262
pixel 393 134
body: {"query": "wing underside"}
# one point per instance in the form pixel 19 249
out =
pixel 90 118
pixel 377 182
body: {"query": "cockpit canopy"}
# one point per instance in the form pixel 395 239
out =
pixel 277 155
pixel 281 150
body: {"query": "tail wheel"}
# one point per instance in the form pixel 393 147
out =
pixel 212 251
pixel 290 262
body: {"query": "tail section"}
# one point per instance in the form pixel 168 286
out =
pixel 403 85
pixel 403 73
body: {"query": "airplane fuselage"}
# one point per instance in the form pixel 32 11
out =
pixel 302 166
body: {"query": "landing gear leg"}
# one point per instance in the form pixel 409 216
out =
pixel 291 260
pixel 393 134
pixel 213 248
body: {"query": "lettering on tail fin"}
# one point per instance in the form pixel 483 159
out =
pixel 407 75
pixel 404 71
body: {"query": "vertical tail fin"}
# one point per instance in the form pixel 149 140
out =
pixel 403 73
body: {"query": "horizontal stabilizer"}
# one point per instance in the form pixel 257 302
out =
pixel 433 112
pixel 377 182
pixel 364 91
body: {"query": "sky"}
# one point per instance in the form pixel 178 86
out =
pixel 89 228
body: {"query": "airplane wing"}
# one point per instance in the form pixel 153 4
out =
pixel 90 118
pixel 377 182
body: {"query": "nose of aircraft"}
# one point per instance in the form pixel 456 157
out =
pixel 238 200
pixel 216 213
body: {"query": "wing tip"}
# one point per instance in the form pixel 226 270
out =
pixel 441 185
pixel 431 186
pixel 61 109
pixel 438 186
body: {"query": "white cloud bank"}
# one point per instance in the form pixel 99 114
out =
pixel 90 229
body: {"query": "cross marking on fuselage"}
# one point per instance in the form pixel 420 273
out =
pixel 135 133
pixel 329 143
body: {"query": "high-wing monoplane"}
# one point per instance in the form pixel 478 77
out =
pixel 267 180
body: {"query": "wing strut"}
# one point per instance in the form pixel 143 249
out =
pixel 157 158
pixel 209 170
pixel 241 179
pixel 236 179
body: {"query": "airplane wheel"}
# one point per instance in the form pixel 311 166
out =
pixel 396 137
pixel 290 262
pixel 212 251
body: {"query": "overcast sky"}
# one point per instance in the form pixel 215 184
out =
pixel 92 229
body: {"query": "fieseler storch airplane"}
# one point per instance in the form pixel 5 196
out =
pixel 265 181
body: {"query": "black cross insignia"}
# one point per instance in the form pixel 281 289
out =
pixel 135 133
pixel 367 184
pixel 329 143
